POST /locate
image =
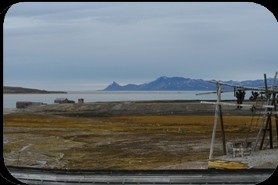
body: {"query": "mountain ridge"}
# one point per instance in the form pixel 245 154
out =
pixel 165 83
pixel 22 90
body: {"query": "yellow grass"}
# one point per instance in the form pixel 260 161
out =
pixel 116 142
pixel 116 123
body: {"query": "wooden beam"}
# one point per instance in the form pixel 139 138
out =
pixel 235 104
pixel 218 89
pixel 222 130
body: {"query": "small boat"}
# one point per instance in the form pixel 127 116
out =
pixel 222 164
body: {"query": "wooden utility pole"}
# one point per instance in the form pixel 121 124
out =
pixel 274 102
pixel 263 117
pixel 268 113
pixel 276 117
pixel 268 127
pixel 222 130
pixel 218 90
pixel 218 113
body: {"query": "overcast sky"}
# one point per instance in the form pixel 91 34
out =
pixel 87 46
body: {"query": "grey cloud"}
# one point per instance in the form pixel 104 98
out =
pixel 110 41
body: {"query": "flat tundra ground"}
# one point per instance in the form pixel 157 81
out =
pixel 53 138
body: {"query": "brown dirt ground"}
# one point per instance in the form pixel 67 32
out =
pixel 40 139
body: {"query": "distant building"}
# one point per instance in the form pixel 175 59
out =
pixel 80 100
pixel 63 100
pixel 24 104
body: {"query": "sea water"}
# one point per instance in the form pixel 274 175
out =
pixel 110 96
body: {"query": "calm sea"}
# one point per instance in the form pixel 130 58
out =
pixel 105 96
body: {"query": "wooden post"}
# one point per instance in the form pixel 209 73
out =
pixel 275 115
pixel 264 131
pixel 276 120
pixel 222 130
pixel 218 91
pixel 263 117
pixel 274 108
pixel 270 133
pixel 268 126
pixel 275 104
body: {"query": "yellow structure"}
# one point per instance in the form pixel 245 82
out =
pixel 222 164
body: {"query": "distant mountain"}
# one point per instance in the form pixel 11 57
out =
pixel 180 84
pixel 21 90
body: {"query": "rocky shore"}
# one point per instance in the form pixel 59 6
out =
pixel 182 107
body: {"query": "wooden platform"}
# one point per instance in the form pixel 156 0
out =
pixel 222 164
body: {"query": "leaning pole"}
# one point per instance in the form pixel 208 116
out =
pixel 218 91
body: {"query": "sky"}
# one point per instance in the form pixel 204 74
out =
pixel 87 46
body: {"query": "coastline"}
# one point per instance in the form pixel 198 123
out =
pixel 48 92
pixel 23 90
pixel 9 110
pixel 161 107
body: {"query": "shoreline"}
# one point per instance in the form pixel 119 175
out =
pixel 23 90
pixel 9 110
pixel 144 107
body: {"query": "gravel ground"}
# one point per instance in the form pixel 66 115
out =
pixel 10 110
pixel 258 159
